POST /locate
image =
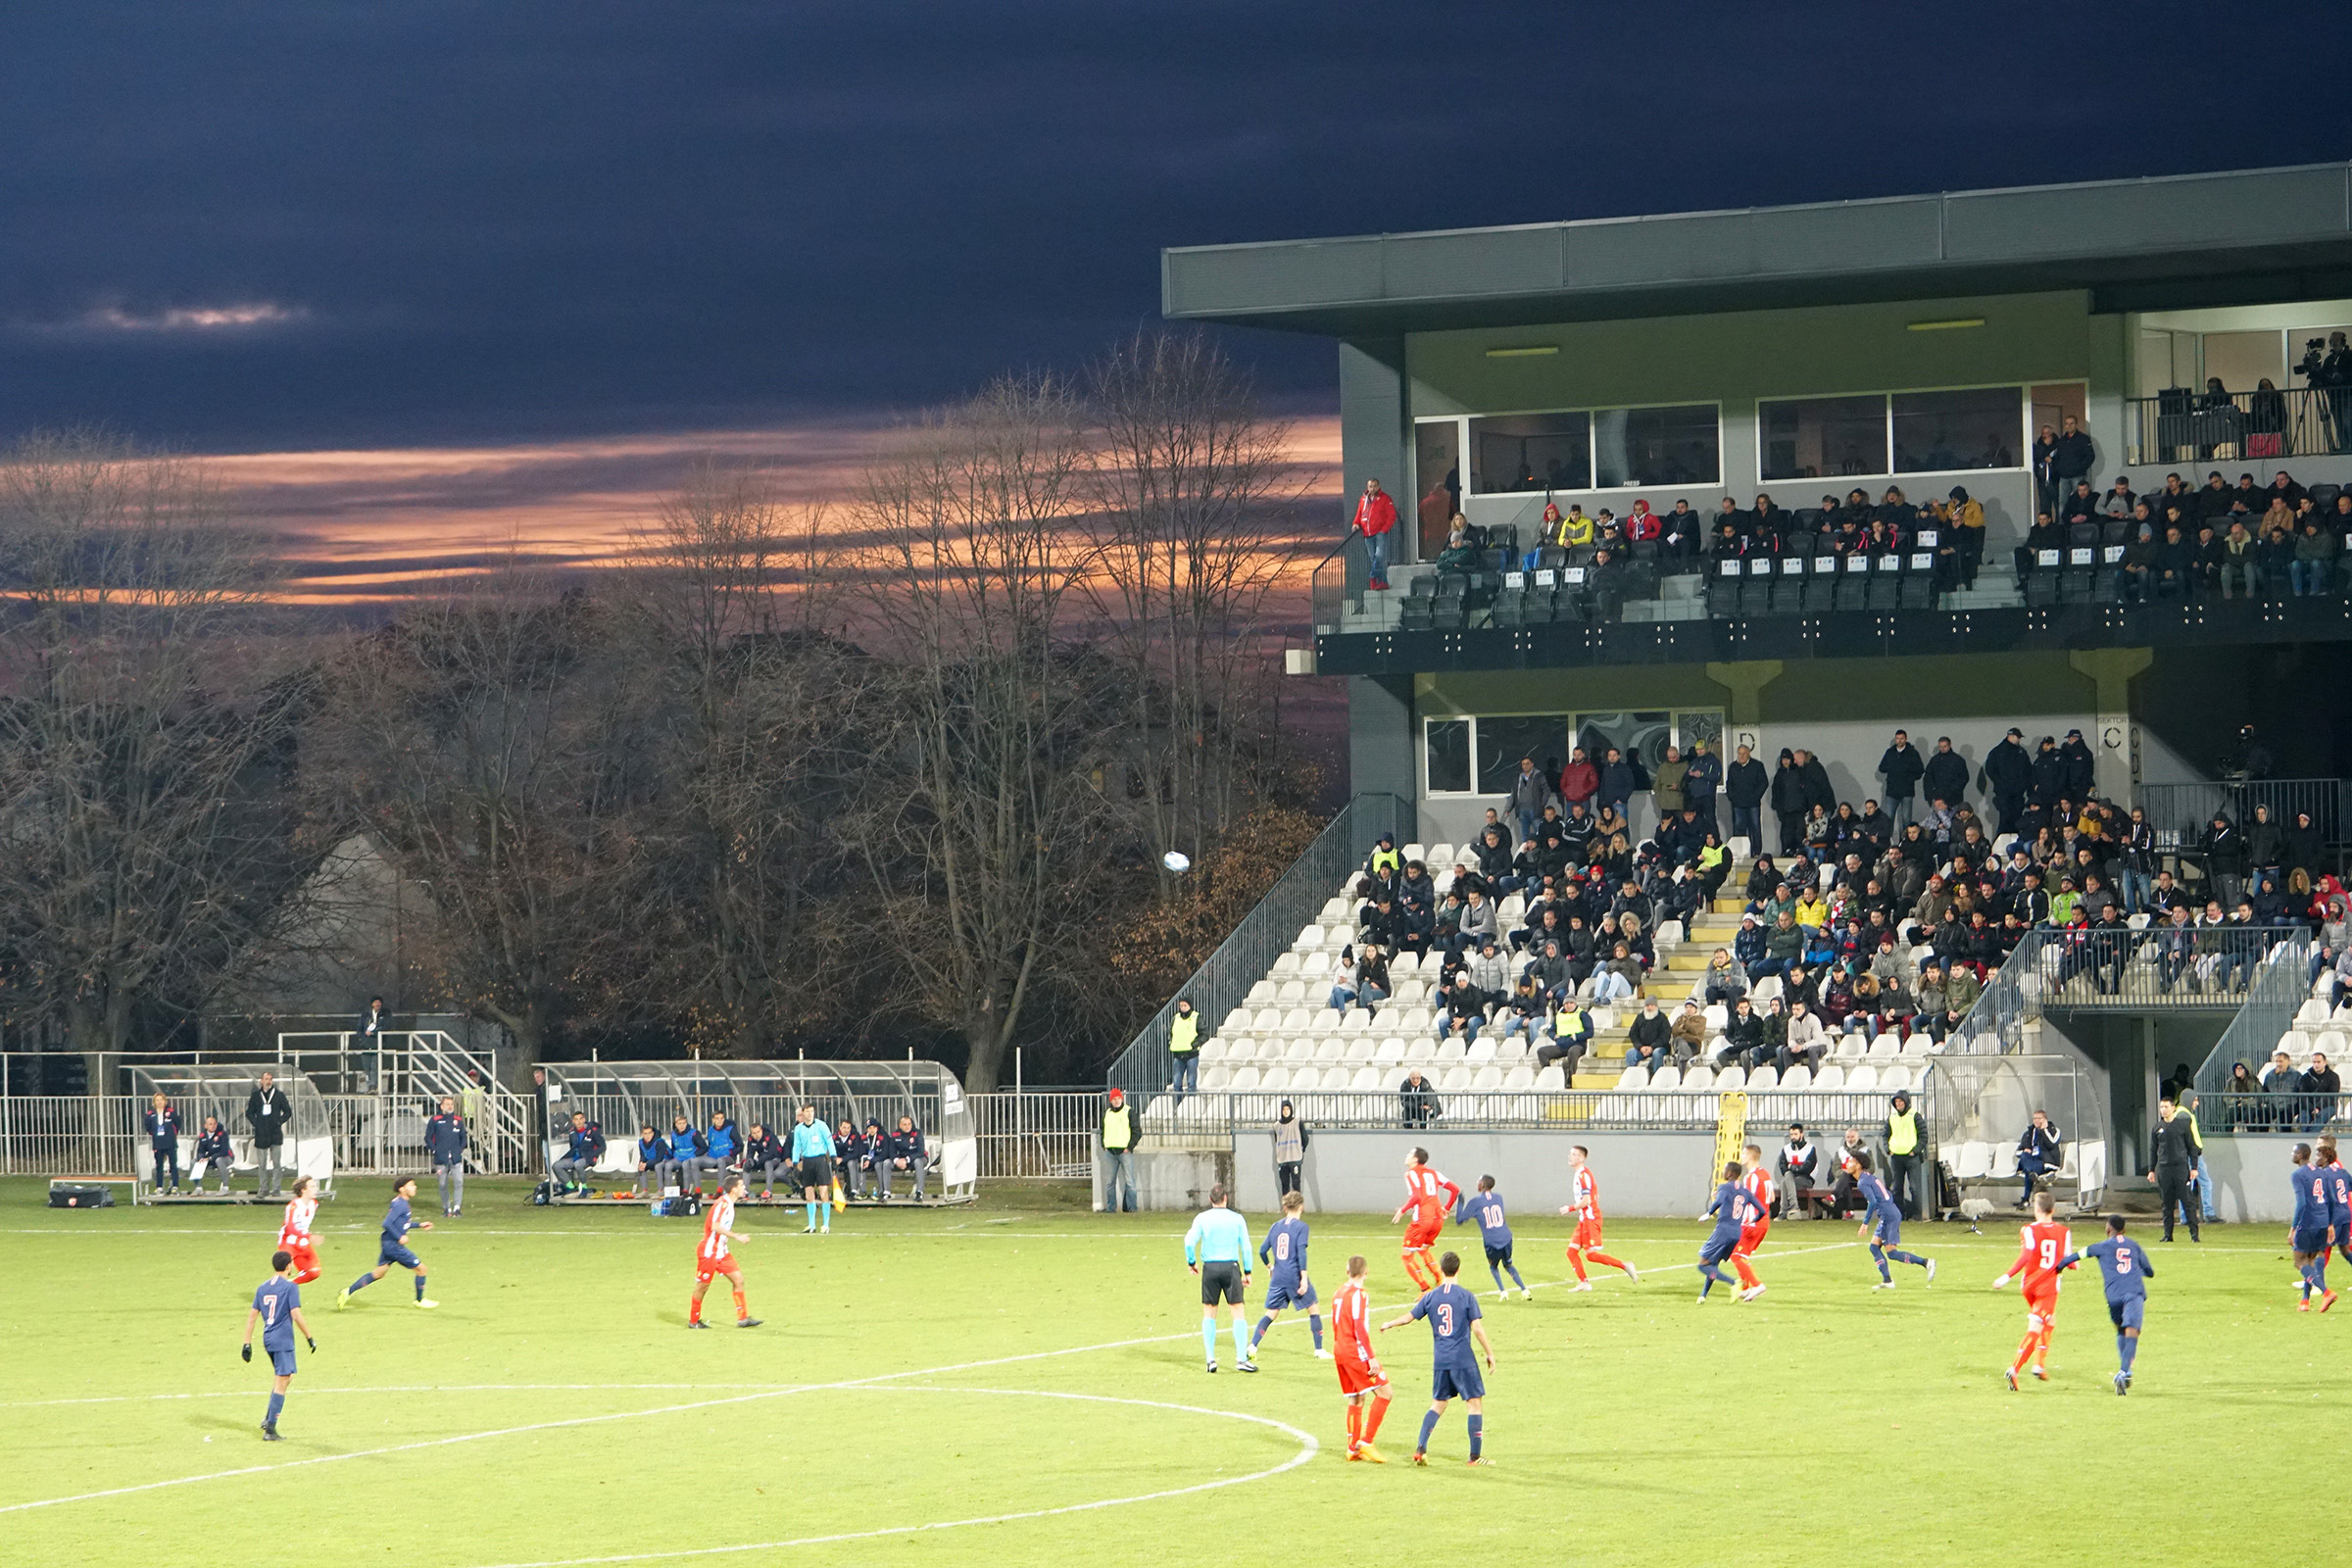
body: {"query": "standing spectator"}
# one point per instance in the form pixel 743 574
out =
pixel 2037 1155
pixel 1417 1100
pixel 583 1149
pixel 471 1099
pixel 213 1153
pixel 1745 785
pixel 1945 777
pixel 1668 787
pixel 1184 1050
pixel 2225 851
pixel 1789 802
pixel 2174 1171
pixel 2073 458
pixel 372 1041
pixel 1531 792
pixel 1900 766
pixel 1376 520
pixel 267 1113
pixel 1905 1134
pixel 1702 779
pixel 1819 795
pixel 162 1124
pixel 1617 781
pixel 1290 1150
pixel 2046 489
pixel 908 1153
pixel 1795 1167
pixel 2082 768
pixel 1118 1132
pixel 2009 780
pixel 1580 781
pixel 445 1146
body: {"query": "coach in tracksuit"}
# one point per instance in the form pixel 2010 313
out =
pixel 445 1143
pixel 587 1147
pixel 762 1151
pixel 2175 1172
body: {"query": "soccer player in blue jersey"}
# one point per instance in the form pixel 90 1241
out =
pixel 393 1246
pixel 1733 1207
pixel 2312 1230
pixel 277 1307
pixel 2123 1263
pixel 1881 1222
pixel 1284 1250
pixel 1493 1228
pixel 1453 1322
pixel 1217 1249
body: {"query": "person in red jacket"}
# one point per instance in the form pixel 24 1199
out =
pixel 1642 524
pixel 1376 519
pixel 1580 780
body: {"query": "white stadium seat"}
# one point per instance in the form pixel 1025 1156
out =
pixel 1861 1076
pixel 1831 1076
pixel 1550 1078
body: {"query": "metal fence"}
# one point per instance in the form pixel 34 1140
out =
pixel 2186 809
pixel 1224 1114
pixel 2160 967
pixel 1977 1107
pixel 67 1134
pixel 1039 1133
pixel 1265 933
pixel 2289 1111
pixel 2279 985
pixel 2183 425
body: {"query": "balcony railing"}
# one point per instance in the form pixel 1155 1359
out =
pixel 2184 425
pixel 2186 809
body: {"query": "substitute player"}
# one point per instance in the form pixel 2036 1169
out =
pixel 715 1256
pixel 2125 1264
pixel 1494 1229
pixel 1284 1250
pixel 1362 1383
pixel 277 1307
pixel 812 1151
pixel 2042 1244
pixel 1733 1207
pixel 1453 1322
pixel 1881 1222
pixel 1217 1249
pixel 294 1231
pixel 1758 1183
pixel 1429 1197
pixel 393 1246
pixel 2312 1230
pixel 1587 1209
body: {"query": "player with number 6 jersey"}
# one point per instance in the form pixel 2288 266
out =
pixel 2042 1244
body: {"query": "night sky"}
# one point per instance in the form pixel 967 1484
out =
pixel 260 228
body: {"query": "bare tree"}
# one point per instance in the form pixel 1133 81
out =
pixel 978 834
pixel 141 742
pixel 1192 506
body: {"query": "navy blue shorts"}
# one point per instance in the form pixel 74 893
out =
pixel 394 1253
pixel 1887 1229
pixel 1456 1382
pixel 1500 1256
pixel 2309 1242
pixel 2128 1312
pixel 281 1362
pixel 1718 1247
pixel 1282 1294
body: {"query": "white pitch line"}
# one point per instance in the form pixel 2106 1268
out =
pixel 309 1393
pixel 1308 1448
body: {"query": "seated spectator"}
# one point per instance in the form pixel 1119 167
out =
pixel 1650 1040
pixel 653 1170
pixel 1744 1030
pixel 848 1150
pixel 1724 980
pixel 1524 1013
pixel 1804 1039
pixel 212 1154
pixel 1567 1036
pixel 687 1155
pixel 865 1175
pixel 1417 1100
pixel 1618 980
pixel 764 1155
pixel 721 1144
pixel 1794 1168
pixel 1784 948
pixel 2311 570
pixel 2037 1155
pixel 1460 1011
pixel 584 1146
pixel 906 1153
pixel 1690 1032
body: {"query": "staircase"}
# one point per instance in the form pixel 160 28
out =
pixel 1678 969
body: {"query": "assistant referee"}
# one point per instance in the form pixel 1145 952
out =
pixel 1217 1249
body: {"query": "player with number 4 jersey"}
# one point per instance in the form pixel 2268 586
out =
pixel 2042 1244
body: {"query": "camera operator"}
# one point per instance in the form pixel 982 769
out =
pixel 2327 368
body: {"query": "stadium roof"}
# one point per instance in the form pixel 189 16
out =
pixel 2251 236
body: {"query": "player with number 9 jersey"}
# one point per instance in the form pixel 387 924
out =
pixel 2040 1246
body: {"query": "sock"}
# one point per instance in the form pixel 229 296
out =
pixel 1712 1275
pixel 1496 1269
pixel 1612 1262
pixel 2025 1350
pixel 2305 1271
pixel 2318 1272
pixel 2129 1348
pixel 420 1285
pixel 1747 1276
pixel 2122 1344
pixel 811 1208
pixel 1909 1257
pixel 359 1284
pixel 1314 1325
pixel 1208 1335
pixel 694 1310
pixel 1374 1416
pixel 1240 1339
pixel 1515 1279
pixel 277 1403
pixel 1429 1424
pixel 1478 1433
pixel 1575 1261
pixel 1878 1255
pixel 1356 1421
pixel 1259 1333
pixel 2041 1346
pixel 743 1308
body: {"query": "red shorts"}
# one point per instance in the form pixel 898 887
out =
pixel 304 1257
pixel 1751 1236
pixel 706 1269
pixel 1360 1376
pixel 1424 1232
pixel 1587 1235
pixel 2042 1301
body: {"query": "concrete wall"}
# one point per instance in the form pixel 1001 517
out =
pixel 2249 1177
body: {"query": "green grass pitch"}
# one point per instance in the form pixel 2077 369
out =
pixel 1021 1382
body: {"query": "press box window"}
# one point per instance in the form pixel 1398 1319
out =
pixel 1940 433
pixel 1515 452
pixel 1819 438
pixel 1636 447
pixel 1446 743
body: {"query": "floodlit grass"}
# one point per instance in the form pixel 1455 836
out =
pixel 921 1369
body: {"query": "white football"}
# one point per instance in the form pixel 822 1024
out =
pixel 1177 861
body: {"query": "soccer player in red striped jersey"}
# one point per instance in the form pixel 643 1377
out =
pixel 1758 1183
pixel 294 1232
pixel 1429 1198
pixel 2042 1244
pixel 715 1256
pixel 1362 1383
pixel 1587 1209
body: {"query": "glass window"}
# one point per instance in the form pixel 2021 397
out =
pixel 1531 452
pixel 1448 744
pixel 1656 446
pixel 1502 741
pixel 1816 438
pixel 1437 470
pixel 1705 725
pixel 1939 432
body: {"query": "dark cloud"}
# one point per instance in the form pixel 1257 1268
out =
pixel 247 225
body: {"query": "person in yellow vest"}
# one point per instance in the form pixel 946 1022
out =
pixel 1383 863
pixel 1905 1133
pixel 1571 1032
pixel 1120 1133
pixel 1184 1050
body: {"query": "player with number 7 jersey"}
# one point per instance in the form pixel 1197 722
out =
pixel 2042 1245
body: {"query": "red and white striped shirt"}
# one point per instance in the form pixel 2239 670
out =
pixel 1587 1195
pixel 1759 1188
pixel 1352 1325
pixel 717 1221
pixel 299 1212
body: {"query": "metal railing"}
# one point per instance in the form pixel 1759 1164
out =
pixel 1987 1101
pixel 2289 1111
pixel 1336 585
pixel 419 1066
pixel 2181 424
pixel 1225 1114
pixel 1040 1133
pixel 2186 809
pixel 2277 989
pixel 1265 933
pixel 2161 967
